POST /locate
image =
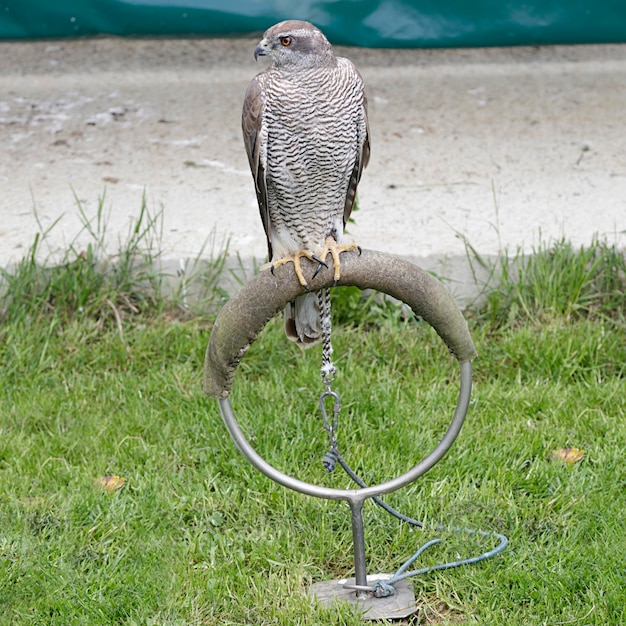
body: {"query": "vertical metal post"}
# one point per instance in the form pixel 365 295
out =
pixel 358 540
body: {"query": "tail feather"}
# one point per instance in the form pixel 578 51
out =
pixel 302 320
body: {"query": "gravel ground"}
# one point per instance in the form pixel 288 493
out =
pixel 506 147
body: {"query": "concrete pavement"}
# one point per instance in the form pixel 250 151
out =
pixel 506 147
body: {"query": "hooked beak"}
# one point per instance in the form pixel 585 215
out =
pixel 261 49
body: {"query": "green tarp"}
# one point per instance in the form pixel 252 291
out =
pixel 372 23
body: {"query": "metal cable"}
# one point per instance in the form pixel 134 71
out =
pixel 382 588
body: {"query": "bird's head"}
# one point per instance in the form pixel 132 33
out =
pixel 295 44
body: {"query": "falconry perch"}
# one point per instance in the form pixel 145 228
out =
pixel 306 134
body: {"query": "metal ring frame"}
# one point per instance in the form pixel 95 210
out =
pixel 354 495
pixel 240 321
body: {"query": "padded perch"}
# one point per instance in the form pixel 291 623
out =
pixel 245 315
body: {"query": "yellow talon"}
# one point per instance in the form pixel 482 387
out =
pixel 295 259
pixel 331 247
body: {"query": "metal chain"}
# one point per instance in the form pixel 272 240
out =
pixel 328 372
pixel 328 367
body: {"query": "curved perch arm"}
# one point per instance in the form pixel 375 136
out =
pixel 246 314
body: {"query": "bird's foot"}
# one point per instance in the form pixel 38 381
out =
pixel 331 247
pixel 295 259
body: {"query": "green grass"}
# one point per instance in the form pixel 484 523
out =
pixel 104 280
pixel 554 282
pixel 197 536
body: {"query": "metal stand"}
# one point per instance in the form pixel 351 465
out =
pixel 355 498
pixel 238 325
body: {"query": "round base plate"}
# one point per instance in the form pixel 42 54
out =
pixel 398 606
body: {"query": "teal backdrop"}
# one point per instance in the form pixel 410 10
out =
pixel 372 23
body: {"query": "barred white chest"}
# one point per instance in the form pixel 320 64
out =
pixel 315 127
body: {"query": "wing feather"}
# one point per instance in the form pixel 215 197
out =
pixel 254 137
pixel 363 157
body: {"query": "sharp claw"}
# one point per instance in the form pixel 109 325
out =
pixel 321 263
pixel 359 249
pixel 318 260
pixel 318 269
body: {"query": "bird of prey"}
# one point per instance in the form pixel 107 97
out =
pixel 306 135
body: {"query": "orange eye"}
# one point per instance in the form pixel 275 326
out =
pixel 285 41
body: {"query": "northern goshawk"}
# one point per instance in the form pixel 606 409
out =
pixel 306 134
